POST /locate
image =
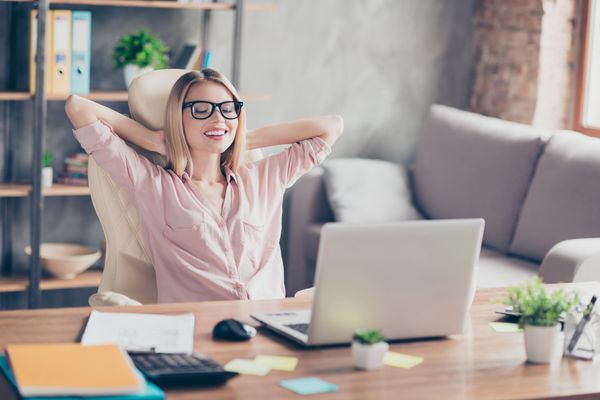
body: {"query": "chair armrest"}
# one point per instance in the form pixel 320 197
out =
pixel 111 299
pixel 307 205
pixel 574 260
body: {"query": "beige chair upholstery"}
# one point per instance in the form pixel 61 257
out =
pixel 129 277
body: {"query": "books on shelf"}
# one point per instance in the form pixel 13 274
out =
pixel 192 56
pixel 68 52
pixel 72 369
pixel 75 170
pixel 188 57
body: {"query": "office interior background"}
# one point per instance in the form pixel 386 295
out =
pixel 378 63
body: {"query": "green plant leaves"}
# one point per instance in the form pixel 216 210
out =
pixel 537 307
pixel 369 336
pixel 142 49
pixel 47 159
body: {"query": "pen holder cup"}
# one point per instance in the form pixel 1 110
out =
pixel 588 343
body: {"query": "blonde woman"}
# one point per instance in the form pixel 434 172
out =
pixel 212 222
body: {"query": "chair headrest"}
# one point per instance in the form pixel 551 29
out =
pixel 148 95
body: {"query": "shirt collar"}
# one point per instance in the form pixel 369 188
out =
pixel 229 176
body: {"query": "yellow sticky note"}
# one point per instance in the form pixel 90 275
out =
pixel 505 327
pixel 278 362
pixel 248 367
pixel 401 360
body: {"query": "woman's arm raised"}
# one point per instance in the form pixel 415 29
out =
pixel 82 112
pixel 329 128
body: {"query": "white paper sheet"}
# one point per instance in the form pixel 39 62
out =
pixel 141 332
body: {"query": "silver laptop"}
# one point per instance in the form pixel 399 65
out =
pixel 410 279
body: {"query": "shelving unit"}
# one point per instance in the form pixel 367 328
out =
pixel 11 191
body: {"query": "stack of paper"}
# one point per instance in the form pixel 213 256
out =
pixel 141 332
pixel 73 369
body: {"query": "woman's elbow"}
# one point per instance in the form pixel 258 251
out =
pixel 72 105
pixel 335 129
pixel 338 125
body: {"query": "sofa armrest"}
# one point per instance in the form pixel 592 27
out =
pixel 307 205
pixel 574 260
pixel 111 299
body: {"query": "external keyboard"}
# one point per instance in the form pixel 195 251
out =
pixel 181 369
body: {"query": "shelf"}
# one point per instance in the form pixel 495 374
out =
pixel 20 283
pixel 96 96
pixel 18 96
pixel 155 4
pixel 57 189
pixel 122 96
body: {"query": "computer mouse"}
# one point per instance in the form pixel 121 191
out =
pixel 233 330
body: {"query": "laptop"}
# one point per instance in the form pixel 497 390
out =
pixel 409 279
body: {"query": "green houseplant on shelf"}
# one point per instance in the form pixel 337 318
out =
pixel 140 52
pixel 540 314
pixel 368 349
pixel 47 172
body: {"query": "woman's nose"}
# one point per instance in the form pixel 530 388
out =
pixel 217 115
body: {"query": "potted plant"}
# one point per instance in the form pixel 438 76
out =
pixel 368 349
pixel 140 53
pixel 540 314
pixel 47 172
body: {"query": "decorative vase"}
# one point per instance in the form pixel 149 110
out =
pixel 132 71
pixel 47 177
pixel 369 356
pixel 542 343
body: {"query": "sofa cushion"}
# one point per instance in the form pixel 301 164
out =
pixel 471 166
pixel 363 190
pixel 563 201
pixel 498 270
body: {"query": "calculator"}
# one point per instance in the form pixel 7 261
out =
pixel 181 369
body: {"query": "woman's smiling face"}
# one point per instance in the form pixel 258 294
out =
pixel 214 134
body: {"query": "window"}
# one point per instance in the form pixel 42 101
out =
pixel 587 111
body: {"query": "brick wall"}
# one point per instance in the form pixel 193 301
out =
pixel 524 65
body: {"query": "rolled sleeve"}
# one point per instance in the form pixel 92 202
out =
pixel 125 166
pixel 301 157
pixel 283 169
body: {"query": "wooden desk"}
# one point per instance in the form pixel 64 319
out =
pixel 481 364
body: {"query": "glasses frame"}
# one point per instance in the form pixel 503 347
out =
pixel 237 105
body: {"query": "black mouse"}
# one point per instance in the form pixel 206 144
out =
pixel 233 330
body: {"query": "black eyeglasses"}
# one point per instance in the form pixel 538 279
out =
pixel 204 109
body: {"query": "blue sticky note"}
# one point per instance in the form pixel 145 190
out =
pixel 308 385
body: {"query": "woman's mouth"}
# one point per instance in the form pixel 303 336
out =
pixel 215 134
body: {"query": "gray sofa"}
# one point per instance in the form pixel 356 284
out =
pixel 538 191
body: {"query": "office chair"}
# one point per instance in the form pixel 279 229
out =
pixel 128 277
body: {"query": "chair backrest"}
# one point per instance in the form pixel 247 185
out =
pixel 127 268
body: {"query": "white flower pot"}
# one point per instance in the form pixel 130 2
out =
pixel 542 343
pixel 47 177
pixel 369 356
pixel 132 71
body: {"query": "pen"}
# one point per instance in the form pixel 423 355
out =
pixel 587 314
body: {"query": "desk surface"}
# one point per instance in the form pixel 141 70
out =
pixel 480 364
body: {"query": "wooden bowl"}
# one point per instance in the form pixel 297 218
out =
pixel 66 260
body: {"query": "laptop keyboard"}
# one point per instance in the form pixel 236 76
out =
pixel 302 328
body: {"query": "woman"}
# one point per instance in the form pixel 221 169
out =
pixel 211 221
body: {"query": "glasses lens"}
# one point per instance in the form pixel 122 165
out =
pixel 202 110
pixel 230 109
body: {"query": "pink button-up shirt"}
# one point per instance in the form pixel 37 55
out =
pixel 197 254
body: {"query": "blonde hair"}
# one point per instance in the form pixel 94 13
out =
pixel 178 152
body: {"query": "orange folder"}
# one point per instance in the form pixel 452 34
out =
pixel 73 369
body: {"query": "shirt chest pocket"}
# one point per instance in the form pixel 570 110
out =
pixel 186 230
pixel 256 238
